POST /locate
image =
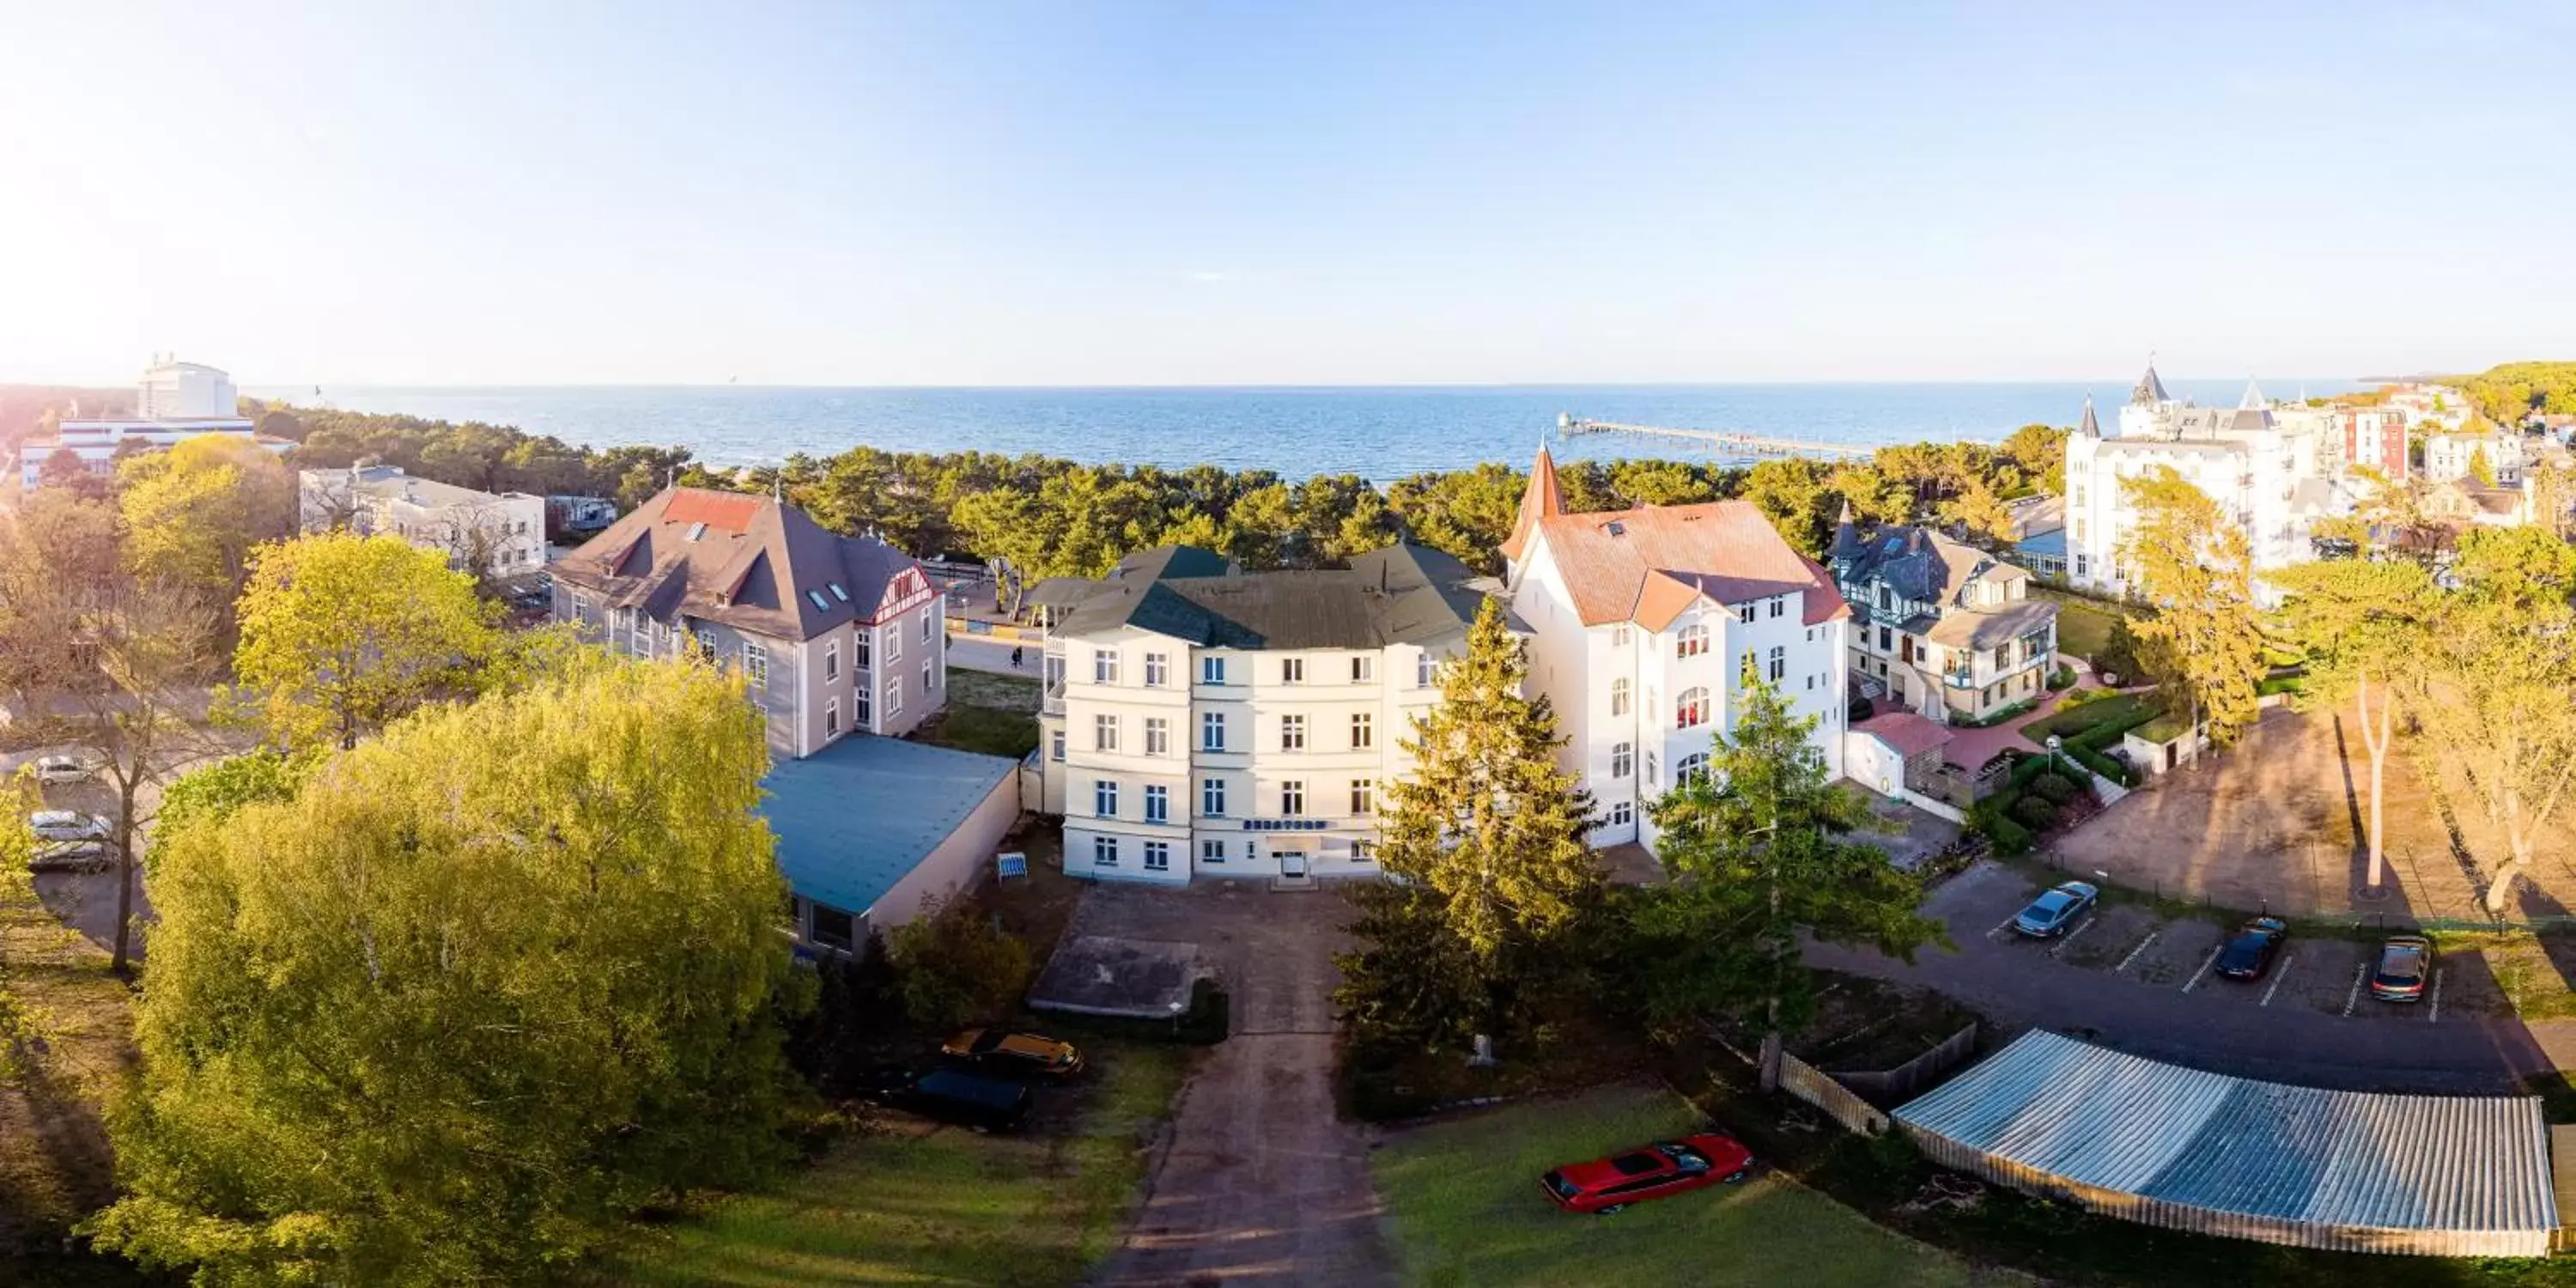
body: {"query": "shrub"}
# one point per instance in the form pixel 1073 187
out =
pixel 2101 764
pixel 953 966
pixel 2062 678
pixel 2034 813
pixel 2010 838
pixel 2057 788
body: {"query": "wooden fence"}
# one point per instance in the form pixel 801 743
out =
pixel 1905 1080
pixel 1818 1088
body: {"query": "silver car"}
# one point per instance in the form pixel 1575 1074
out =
pixel 67 825
pixel 64 769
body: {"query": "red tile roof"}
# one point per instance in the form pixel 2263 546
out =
pixel 1542 499
pixel 714 509
pixel 1908 733
pixel 1648 564
pixel 772 572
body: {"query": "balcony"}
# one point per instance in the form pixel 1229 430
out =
pixel 1052 702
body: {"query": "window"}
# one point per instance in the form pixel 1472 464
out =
pixel 1622 814
pixel 1779 662
pixel 1693 640
pixel 1292 733
pixel 894 643
pixel 1779 604
pixel 1212 731
pixel 1158 856
pixel 894 694
pixel 1211 851
pixel 1619 697
pixel 859 653
pixel 1623 759
pixel 1652 779
pixel 831 927
pixel 1212 797
pixel 1104 798
pixel 1885 641
pixel 1158 805
pixel 1104 733
pixel 1158 670
pixel 1292 798
pixel 1618 637
pixel 821 604
pixel 1104 851
pixel 1690 768
pixel 837 592
pixel 1426 670
pixel 1363 797
pixel 927 618
pixel 1211 670
pixel 755 663
pixel 1292 670
pixel 1055 740
pixel 1363 731
pixel 1363 669
pixel 1104 666
pixel 706 641
pixel 1690 710
pixel 1746 669
pixel 1158 736
pixel 832 717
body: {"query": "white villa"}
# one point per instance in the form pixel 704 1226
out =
pixel 1942 628
pixel 1199 720
pixel 496 535
pixel 2451 457
pixel 1645 625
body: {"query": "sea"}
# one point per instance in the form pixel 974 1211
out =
pixel 1378 432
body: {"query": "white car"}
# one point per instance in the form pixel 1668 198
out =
pixel 67 825
pixel 64 769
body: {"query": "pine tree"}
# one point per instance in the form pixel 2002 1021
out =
pixel 1485 847
pixel 2196 567
pixel 1758 847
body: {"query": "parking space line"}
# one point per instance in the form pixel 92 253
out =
pixel 2353 999
pixel 2204 968
pixel 2435 1016
pixel 2059 948
pixel 2282 974
pixel 1997 933
pixel 2133 953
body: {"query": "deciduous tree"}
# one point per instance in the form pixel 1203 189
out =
pixel 476 992
pixel 1760 853
pixel 195 513
pixel 2362 624
pixel 342 633
pixel 1487 842
pixel 2195 569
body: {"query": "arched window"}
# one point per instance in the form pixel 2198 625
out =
pixel 1693 640
pixel 1690 711
pixel 1690 769
pixel 1618 697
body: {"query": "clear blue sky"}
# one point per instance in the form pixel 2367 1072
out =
pixel 1068 193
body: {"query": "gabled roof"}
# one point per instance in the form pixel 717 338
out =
pixel 1648 564
pixel 747 562
pixel 1400 595
pixel 1907 733
pixel 1544 498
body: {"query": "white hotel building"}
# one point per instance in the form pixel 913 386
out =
pixel 174 401
pixel 1644 626
pixel 1200 720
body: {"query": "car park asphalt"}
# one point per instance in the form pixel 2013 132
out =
pixel 2132 978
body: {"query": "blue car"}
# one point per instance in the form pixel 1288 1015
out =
pixel 2054 913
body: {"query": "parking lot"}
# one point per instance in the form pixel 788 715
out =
pixel 84 901
pixel 2131 975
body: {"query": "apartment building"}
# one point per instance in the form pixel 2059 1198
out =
pixel 1645 627
pixel 173 400
pixel 2455 457
pixel 1939 627
pixel 485 533
pixel 1199 720
pixel 838 635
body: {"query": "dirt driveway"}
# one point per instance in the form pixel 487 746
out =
pixel 1260 1182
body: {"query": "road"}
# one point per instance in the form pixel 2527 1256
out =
pixel 980 653
pixel 2307 1022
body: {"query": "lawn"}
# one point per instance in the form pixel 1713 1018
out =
pixel 2083 627
pixel 992 714
pixel 2076 719
pixel 1464 1207
pixel 945 1206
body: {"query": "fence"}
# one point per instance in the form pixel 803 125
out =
pixel 1903 1081
pixel 1818 1088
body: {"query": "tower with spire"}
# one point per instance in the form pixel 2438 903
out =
pixel 2150 410
pixel 1542 499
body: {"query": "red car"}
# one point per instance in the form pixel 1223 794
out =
pixel 1606 1185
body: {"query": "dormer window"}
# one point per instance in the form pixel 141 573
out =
pixel 840 594
pixel 819 602
pixel 697 530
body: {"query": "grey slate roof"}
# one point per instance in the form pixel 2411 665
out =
pixel 1916 563
pixel 2089 427
pixel 2149 389
pixel 747 562
pixel 2231 1146
pixel 1400 595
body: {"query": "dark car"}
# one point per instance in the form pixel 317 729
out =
pixel 2053 913
pixel 2405 962
pixel 1605 1185
pixel 969 1100
pixel 2250 951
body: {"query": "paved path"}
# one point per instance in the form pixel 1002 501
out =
pixel 2221 1026
pixel 976 653
pixel 1260 1182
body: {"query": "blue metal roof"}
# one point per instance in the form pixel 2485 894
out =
pixel 2050 544
pixel 853 818
pixel 2353 1160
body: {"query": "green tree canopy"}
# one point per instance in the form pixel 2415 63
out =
pixel 1487 843
pixel 341 633
pixel 1760 853
pixel 468 998
pixel 2195 568
pixel 195 513
pixel 2362 624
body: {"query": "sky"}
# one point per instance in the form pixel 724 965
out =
pixel 1228 192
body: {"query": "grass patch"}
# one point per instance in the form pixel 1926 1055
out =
pixel 1464 1207
pixel 945 1207
pixel 2083 627
pixel 989 689
pixel 982 729
pixel 2071 720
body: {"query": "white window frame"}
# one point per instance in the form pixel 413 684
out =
pixel 755 664
pixel 831 659
pixel 1158 670
pixel 1158 856
pixel 1104 733
pixel 1690 709
pixel 831 717
pixel 1363 797
pixel 1692 641
pixel 1292 733
pixel 1292 798
pixel 1426 670
pixel 1212 671
pixel 1212 797
pixel 1619 696
pixel 1104 798
pixel 1055 745
pixel 1158 736
pixel 1104 666
pixel 1292 670
pixel 1211 851
pixel 894 694
pixel 1363 731
pixel 1158 803
pixel 1104 851
pixel 862 648
pixel 1212 731
pixel 1363 669
pixel 1623 759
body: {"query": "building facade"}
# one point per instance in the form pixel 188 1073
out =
pixel 174 401
pixel 837 635
pixel 1200 721
pixel 488 534
pixel 2455 457
pixel 1645 627
pixel 1940 628
pixel 174 390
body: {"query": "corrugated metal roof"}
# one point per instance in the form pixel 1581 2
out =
pixel 856 817
pixel 2112 1121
